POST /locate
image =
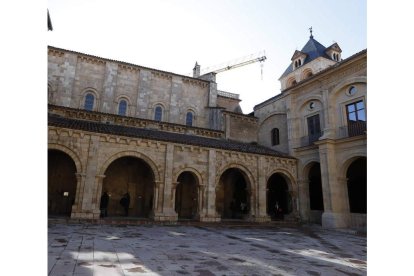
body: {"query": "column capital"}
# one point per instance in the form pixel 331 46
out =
pixel 100 176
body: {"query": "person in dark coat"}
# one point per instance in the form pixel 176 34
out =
pixel 104 204
pixel 125 200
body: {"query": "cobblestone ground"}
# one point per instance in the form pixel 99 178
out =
pixel 81 249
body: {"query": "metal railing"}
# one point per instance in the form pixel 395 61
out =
pixel 309 139
pixel 353 129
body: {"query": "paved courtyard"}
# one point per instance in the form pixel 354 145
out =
pixel 87 249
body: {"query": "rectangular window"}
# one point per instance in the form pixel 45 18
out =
pixel 314 128
pixel 356 118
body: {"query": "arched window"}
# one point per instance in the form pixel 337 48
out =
pixel 275 137
pixel 89 101
pixel 296 63
pixel 158 113
pixel 299 62
pixel 122 107
pixel 189 118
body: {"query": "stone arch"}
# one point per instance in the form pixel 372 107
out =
pixel 136 154
pixel 348 161
pixel 192 170
pixel 310 98
pixel 356 184
pixel 291 82
pixel 280 202
pixel 290 180
pixel 62 181
pixel 347 82
pixel 308 165
pixel 94 92
pixel 235 192
pixel 269 116
pixel 123 97
pixel 306 73
pixel 71 153
pixel 187 193
pixel 241 167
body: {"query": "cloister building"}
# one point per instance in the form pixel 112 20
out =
pixel 184 150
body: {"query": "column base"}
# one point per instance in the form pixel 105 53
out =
pixel 166 216
pixel 335 220
pixel 86 214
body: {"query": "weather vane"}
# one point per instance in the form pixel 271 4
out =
pixel 310 29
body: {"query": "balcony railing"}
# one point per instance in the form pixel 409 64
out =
pixel 310 139
pixel 354 128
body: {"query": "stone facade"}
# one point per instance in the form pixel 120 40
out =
pixel 154 159
pixel 326 94
pixel 183 150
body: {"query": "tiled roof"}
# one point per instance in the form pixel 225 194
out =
pixel 150 134
pixel 313 49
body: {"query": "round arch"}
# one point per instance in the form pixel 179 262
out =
pixel 347 82
pixel 290 180
pixel 306 74
pixel 61 182
pixel 136 154
pixel 235 192
pixel 83 94
pixel 310 98
pixel 349 159
pixel 69 152
pixel 270 116
pixel 187 194
pixel 246 172
pixel 189 169
pixel 123 97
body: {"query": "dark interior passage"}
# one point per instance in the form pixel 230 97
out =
pixel 357 186
pixel 232 195
pixel 135 177
pixel 61 183
pixel 278 198
pixel 186 197
pixel 315 188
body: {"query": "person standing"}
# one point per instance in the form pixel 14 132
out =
pixel 104 204
pixel 125 200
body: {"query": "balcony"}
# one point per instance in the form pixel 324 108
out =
pixel 354 128
pixel 310 139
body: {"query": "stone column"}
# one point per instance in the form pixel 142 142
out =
pixel 201 205
pixel 96 201
pixel 210 205
pixel 304 204
pixel 173 193
pixel 328 131
pixel 261 193
pixel 76 207
pixel 335 214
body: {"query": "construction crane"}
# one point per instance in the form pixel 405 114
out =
pixel 258 57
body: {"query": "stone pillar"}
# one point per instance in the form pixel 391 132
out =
pixel 304 203
pixel 328 130
pixel 76 207
pixel 261 193
pixel 165 211
pixel 201 205
pixel 109 86
pixel 210 202
pixel 334 199
pixel 97 198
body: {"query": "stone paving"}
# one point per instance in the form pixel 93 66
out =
pixel 88 249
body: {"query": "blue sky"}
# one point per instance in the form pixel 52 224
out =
pixel 172 35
